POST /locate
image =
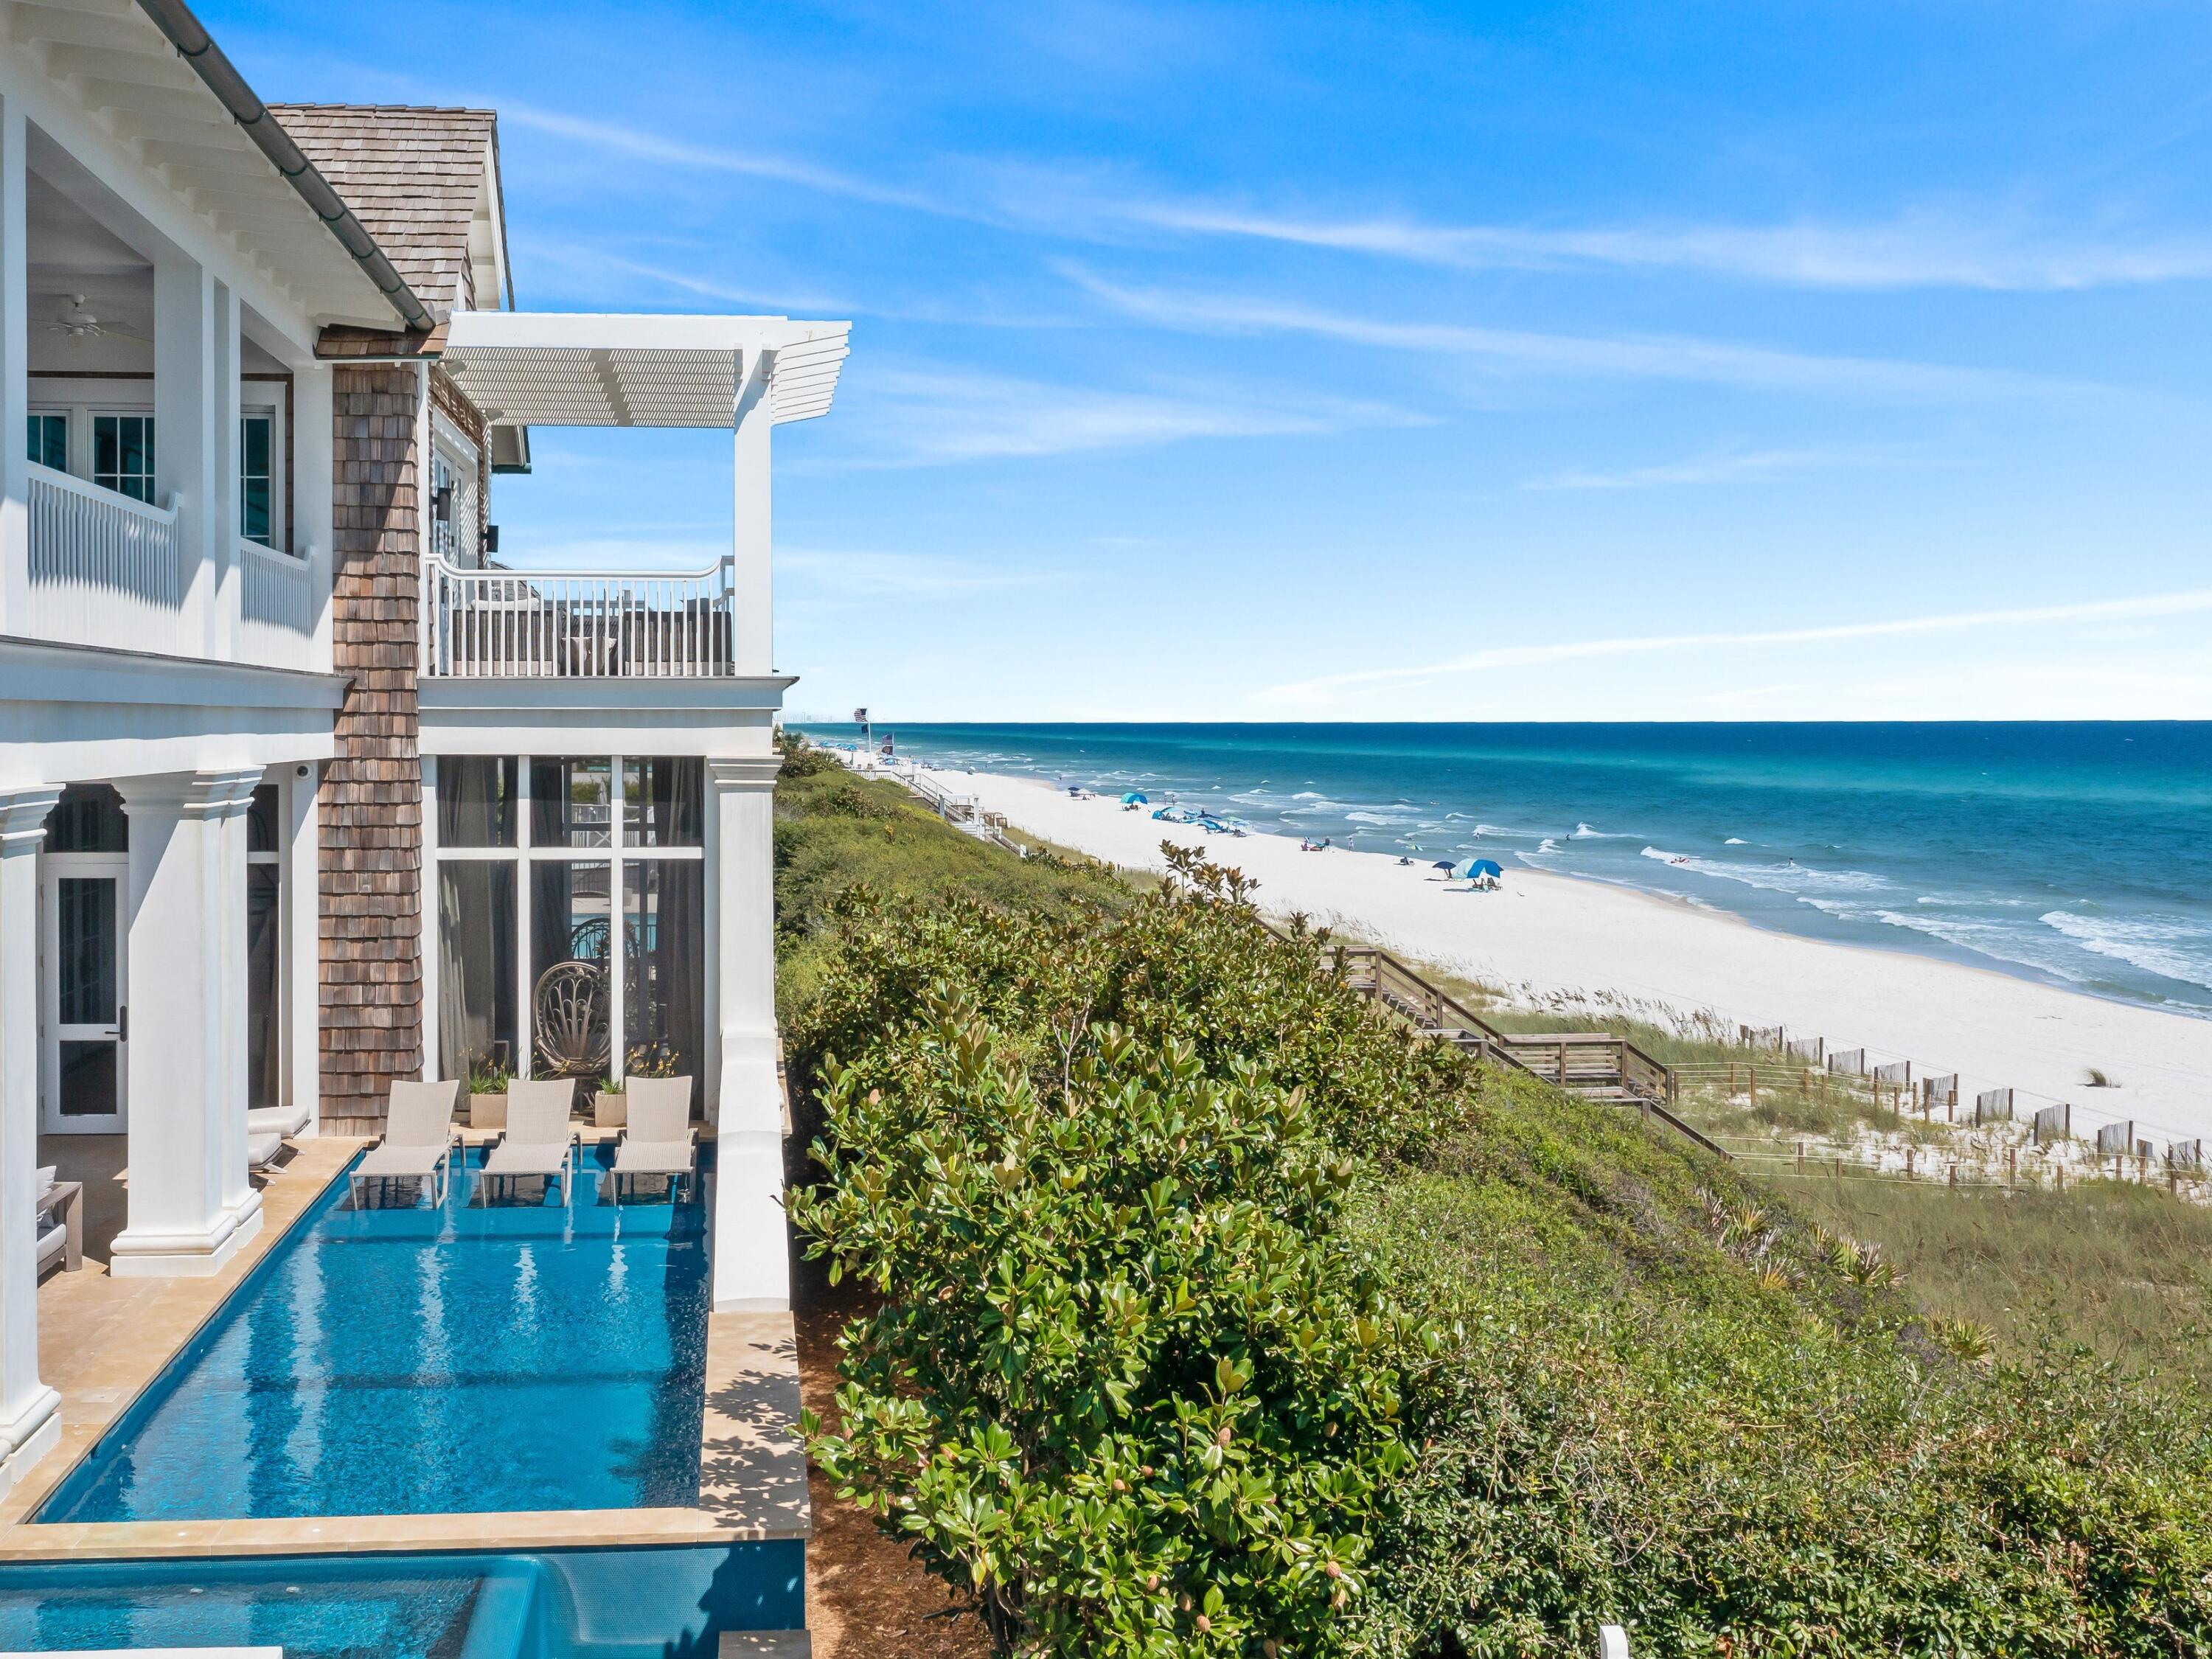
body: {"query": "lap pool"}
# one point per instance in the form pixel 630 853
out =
pixel 463 1359
pixel 570 1604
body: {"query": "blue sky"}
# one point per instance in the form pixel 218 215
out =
pixel 1384 362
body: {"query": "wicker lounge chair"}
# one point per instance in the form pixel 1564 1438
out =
pixel 540 1140
pixel 419 1138
pixel 659 1140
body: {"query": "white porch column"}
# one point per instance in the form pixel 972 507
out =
pixel 300 886
pixel 752 628
pixel 15 378
pixel 753 1259
pixel 192 1203
pixel 186 405
pixel 30 1425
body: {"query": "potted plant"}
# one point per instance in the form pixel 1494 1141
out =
pixel 610 1106
pixel 488 1095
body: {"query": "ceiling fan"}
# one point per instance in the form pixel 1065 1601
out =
pixel 79 324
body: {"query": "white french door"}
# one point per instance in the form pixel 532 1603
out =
pixel 85 918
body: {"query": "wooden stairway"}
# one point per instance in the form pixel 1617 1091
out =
pixel 1597 1064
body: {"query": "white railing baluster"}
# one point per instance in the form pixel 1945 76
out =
pixel 590 624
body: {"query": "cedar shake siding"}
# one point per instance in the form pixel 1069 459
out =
pixel 372 810
pixel 414 179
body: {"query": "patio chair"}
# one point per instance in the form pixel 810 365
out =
pixel 284 1121
pixel 263 1148
pixel 418 1141
pixel 540 1138
pixel 660 1139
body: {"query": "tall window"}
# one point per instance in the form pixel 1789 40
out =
pixel 257 497
pixel 123 454
pixel 572 921
pixel 50 440
pixel 264 928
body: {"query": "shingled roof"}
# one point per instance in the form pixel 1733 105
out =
pixel 413 176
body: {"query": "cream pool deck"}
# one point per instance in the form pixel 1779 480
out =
pixel 103 1340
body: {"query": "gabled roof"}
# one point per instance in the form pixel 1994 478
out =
pixel 420 181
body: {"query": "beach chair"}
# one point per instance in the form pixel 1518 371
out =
pixel 283 1121
pixel 418 1142
pixel 540 1140
pixel 659 1140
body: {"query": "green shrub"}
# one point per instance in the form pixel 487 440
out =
pixel 1656 1395
pixel 1126 1384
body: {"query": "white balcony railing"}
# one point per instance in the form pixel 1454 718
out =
pixel 578 623
pixel 276 607
pixel 104 569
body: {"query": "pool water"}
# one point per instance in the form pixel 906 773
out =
pixel 461 1358
pixel 665 1603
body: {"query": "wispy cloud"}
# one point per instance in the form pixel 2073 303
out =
pixel 861 574
pixel 927 417
pixel 1668 357
pixel 1522 656
pixel 1915 250
pixel 650 146
pixel 1722 466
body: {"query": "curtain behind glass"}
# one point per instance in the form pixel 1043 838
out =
pixel 262 1030
pixel 664 911
pixel 661 796
pixel 476 966
pixel 476 800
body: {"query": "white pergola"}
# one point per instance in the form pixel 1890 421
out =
pixel 554 368
pixel 746 375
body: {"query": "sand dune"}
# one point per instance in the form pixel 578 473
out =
pixel 1545 935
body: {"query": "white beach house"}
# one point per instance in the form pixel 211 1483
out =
pixel 303 789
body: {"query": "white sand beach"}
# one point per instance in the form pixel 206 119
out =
pixel 1542 936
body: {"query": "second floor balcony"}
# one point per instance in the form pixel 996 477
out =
pixel 579 624
pixel 104 569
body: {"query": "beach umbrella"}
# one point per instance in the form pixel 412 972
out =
pixel 1443 863
pixel 1135 798
pixel 1469 869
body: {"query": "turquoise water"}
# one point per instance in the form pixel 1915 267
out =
pixel 566 1604
pixel 410 1361
pixel 2078 854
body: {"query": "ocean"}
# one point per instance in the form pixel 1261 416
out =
pixel 2076 854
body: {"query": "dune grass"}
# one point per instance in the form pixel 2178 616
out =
pixel 2122 1268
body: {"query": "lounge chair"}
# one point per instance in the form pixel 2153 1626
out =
pixel 60 1222
pixel 540 1140
pixel 660 1139
pixel 419 1138
pixel 263 1148
pixel 284 1121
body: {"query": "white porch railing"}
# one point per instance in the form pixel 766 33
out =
pixel 562 624
pixel 276 607
pixel 104 569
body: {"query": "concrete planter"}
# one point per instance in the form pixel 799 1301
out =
pixel 610 1111
pixel 488 1111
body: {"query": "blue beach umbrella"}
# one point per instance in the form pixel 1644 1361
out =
pixel 1442 863
pixel 1135 798
pixel 1469 869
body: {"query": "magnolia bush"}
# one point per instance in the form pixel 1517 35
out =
pixel 1126 1384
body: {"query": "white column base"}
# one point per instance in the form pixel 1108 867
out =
pixel 752 1244
pixel 42 1439
pixel 180 1256
pixel 245 1213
